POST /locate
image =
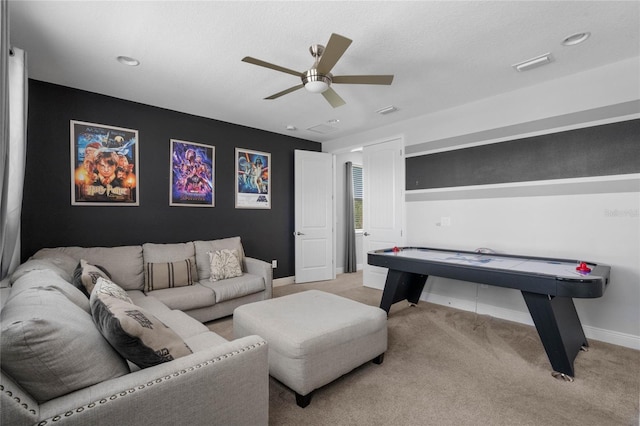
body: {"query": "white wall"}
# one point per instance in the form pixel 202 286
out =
pixel 583 221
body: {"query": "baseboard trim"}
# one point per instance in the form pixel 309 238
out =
pixel 595 333
pixel 608 336
pixel 283 281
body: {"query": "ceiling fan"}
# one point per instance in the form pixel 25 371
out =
pixel 318 78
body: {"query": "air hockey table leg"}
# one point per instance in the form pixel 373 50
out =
pixel 560 330
pixel 400 286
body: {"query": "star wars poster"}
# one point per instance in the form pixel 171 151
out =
pixel 104 165
pixel 253 179
pixel 192 171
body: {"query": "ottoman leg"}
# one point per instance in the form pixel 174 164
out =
pixel 378 360
pixel 303 400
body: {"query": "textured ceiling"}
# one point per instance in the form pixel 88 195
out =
pixel 442 53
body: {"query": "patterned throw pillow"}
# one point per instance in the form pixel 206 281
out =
pixel 224 264
pixel 170 274
pixel 86 275
pixel 105 286
pixel 136 334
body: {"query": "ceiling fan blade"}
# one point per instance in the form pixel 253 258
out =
pixel 284 92
pixel 332 97
pixel 336 47
pixel 362 79
pixel 261 63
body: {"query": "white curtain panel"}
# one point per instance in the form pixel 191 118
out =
pixel 13 114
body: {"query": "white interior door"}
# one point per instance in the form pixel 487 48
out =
pixel 383 206
pixel 314 230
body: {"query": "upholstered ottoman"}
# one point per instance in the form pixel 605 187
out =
pixel 314 337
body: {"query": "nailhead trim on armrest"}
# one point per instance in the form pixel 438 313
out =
pixel 17 399
pixel 143 386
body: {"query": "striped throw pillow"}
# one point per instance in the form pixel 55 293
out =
pixel 170 274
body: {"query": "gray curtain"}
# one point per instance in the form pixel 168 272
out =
pixel 350 231
pixel 13 128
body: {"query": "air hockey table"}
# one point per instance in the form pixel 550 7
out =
pixel 547 285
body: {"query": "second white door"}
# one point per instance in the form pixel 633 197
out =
pixel 383 213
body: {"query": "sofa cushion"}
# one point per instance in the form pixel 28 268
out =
pixel 86 275
pixel 124 263
pixel 147 302
pixel 169 274
pixel 204 247
pixel 186 298
pixel 134 332
pixel 56 265
pixel 61 260
pixel 51 347
pixel 235 287
pixel 47 278
pixel 184 325
pixel 163 253
pixel 224 264
pixel 156 253
pixel 205 341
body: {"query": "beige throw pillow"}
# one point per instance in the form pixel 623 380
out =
pixel 224 264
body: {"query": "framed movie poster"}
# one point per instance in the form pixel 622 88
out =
pixel 253 179
pixel 104 165
pixel 192 172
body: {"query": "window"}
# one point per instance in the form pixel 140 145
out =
pixel 356 174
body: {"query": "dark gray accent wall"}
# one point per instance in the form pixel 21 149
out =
pixel 49 219
pixel 604 150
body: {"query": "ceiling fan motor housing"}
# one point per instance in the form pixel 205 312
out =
pixel 315 82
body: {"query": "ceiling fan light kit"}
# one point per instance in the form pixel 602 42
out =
pixel 315 82
pixel 318 78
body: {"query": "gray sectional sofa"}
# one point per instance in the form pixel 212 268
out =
pixel 60 364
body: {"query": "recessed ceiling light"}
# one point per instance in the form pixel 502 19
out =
pixel 291 127
pixel 576 38
pixel 132 62
pixel 333 121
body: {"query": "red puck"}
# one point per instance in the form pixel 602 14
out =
pixel 395 249
pixel 583 268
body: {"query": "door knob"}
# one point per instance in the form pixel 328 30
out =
pixel 298 233
pixel 366 234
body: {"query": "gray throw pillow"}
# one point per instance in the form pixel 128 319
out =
pixel 47 278
pixel 51 347
pixel 134 332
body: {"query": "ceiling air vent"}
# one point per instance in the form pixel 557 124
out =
pixel 322 128
pixel 387 110
pixel 533 62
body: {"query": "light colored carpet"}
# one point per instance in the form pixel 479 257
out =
pixel 450 367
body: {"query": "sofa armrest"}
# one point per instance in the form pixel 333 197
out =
pixel 226 384
pixel 262 269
